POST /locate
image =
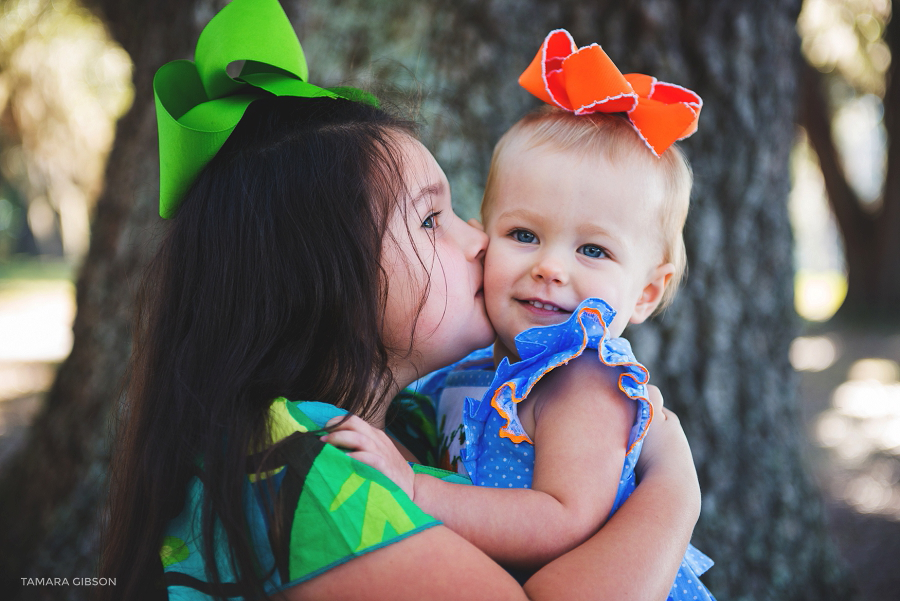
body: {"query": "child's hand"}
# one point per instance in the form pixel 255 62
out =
pixel 372 447
pixel 666 451
pixel 664 436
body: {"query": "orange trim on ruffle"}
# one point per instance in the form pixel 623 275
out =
pixel 585 80
pixel 503 433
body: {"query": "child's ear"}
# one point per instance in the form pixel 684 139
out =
pixel 652 293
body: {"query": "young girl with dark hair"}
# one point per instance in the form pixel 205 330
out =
pixel 314 255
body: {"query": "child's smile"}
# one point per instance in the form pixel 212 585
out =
pixel 563 228
pixel 542 309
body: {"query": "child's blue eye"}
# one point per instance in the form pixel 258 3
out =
pixel 524 236
pixel 593 251
pixel 431 221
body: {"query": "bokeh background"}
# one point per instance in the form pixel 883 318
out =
pixel 65 82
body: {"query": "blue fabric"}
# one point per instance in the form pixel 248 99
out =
pixel 498 452
pixel 447 390
pixel 319 412
pixel 457 374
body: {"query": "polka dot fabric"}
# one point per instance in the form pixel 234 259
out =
pixel 498 452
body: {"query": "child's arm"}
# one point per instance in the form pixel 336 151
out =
pixel 581 428
pixel 637 553
pixel 634 556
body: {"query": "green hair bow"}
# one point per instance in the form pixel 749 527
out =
pixel 198 104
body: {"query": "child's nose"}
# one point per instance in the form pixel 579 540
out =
pixel 550 271
pixel 474 241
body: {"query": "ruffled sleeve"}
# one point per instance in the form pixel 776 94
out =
pixel 541 350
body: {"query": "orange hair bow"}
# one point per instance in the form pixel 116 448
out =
pixel 585 80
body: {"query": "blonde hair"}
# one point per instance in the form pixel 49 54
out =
pixel 612 137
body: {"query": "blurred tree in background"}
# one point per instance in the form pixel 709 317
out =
pixel 63 83
pixel 851 104
pixel 719 354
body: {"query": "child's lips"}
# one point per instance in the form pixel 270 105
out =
pixel 542 307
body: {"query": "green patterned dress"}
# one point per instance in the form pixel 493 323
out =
pixel 333 507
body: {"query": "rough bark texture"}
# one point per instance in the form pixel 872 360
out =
pixel 871 235
pixel 719 354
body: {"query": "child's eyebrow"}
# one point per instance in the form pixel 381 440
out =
pixel 524 214
pixel 435 189
pixel 590 229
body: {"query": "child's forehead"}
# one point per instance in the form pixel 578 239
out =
pixel 580 170
pixel 573 189
pixel 584 154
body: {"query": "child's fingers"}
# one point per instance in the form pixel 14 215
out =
pixel 349 439
pixel 355 433
pixel 353 424
pixel 371 446
pixel 656 401
pixel 347 422
pixel 669 416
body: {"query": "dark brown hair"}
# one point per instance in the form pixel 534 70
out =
pixel 267 284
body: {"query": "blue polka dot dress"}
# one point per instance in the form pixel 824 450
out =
pixel 498 452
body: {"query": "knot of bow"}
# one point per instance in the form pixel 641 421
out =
pixel 198 104
pixel 585 80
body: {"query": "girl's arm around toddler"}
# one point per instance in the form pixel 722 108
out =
pixel 580 423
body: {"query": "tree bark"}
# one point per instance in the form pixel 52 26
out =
pixel 719 353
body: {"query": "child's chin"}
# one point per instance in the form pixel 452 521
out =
pixel 549 319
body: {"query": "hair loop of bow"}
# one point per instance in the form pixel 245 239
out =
pixel 585 80
pixel 198 104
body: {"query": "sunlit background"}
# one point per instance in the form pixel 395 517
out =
pixel 63 84
pixel 851 380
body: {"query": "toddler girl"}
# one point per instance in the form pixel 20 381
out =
pixel 580 205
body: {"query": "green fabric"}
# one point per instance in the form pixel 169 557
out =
pixel 173 550
pixel 198 104
pixel 333 507
pixel 346 508
pixel 445 475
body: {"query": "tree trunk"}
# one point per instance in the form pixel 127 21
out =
pixel 888 257
pixel 871 236
pixel 719 353
pixel 51 493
